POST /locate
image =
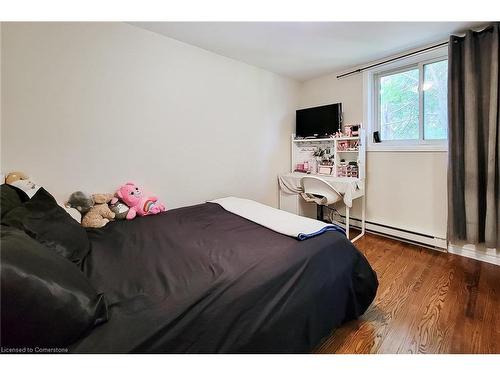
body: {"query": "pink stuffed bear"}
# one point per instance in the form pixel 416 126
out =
pixel 138 203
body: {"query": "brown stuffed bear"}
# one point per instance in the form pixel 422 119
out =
pixel 95 210
pixel 99 214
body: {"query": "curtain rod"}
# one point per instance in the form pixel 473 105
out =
pixel 393 59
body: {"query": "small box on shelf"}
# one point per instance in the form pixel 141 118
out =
pixel 326 170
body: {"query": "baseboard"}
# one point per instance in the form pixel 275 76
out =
pixel 440 244
pixel 431 242
pixel 470 251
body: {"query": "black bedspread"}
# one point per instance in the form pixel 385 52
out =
pixel 202 280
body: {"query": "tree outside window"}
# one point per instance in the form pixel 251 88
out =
pixel 412 103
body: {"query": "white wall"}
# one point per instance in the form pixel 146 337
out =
pixel 406 190
pixel 91 105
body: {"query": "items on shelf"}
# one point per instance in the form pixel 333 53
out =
pixel 351 130
pixel 316 157
pixel 348 145
pixel 300 167
pixel 338 134
pixel 347 169
pixel 323 155
pixel 342 145
pixel 339 156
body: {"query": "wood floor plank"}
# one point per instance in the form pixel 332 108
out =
pixel 428 332
pixel 427 302
pixel 489 281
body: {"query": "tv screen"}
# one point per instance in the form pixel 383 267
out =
pixel 319 121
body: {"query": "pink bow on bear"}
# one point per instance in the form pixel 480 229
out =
pixel 138 202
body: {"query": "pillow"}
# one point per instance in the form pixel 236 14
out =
pixel 73 212
pixel 48 223
pixel 46 300
pixel 10 198
pixel 27 186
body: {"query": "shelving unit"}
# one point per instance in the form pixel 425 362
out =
pixel 303 149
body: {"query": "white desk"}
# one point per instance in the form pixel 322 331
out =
pixel 350 188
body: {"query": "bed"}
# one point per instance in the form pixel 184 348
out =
pixel 200 279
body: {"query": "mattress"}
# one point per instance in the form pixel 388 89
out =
pixel 200 279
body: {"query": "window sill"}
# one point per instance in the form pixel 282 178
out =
pixel 380 147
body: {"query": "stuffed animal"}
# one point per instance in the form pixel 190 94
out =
pixel 80 201
pixel 138 202
pixel 23 182
pixel 15 176
pixel 95 211
pixel 120 210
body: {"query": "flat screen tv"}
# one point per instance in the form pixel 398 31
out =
pixel 319 121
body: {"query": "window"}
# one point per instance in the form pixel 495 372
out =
pixel 398 105
pixel 410 103
pixel 435 98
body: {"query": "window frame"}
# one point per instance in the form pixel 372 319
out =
pixel 371 84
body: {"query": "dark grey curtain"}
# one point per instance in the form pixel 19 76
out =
pixel 473 115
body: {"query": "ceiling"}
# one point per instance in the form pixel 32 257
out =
pixel 304 50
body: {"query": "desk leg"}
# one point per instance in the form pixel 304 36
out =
pixel 363 219
pixel 363 215
pixel 347 221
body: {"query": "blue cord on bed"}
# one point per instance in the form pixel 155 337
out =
pixel 327 228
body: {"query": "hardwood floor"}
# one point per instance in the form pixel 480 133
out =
pixel 427 302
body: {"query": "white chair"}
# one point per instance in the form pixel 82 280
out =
pixel 319 191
